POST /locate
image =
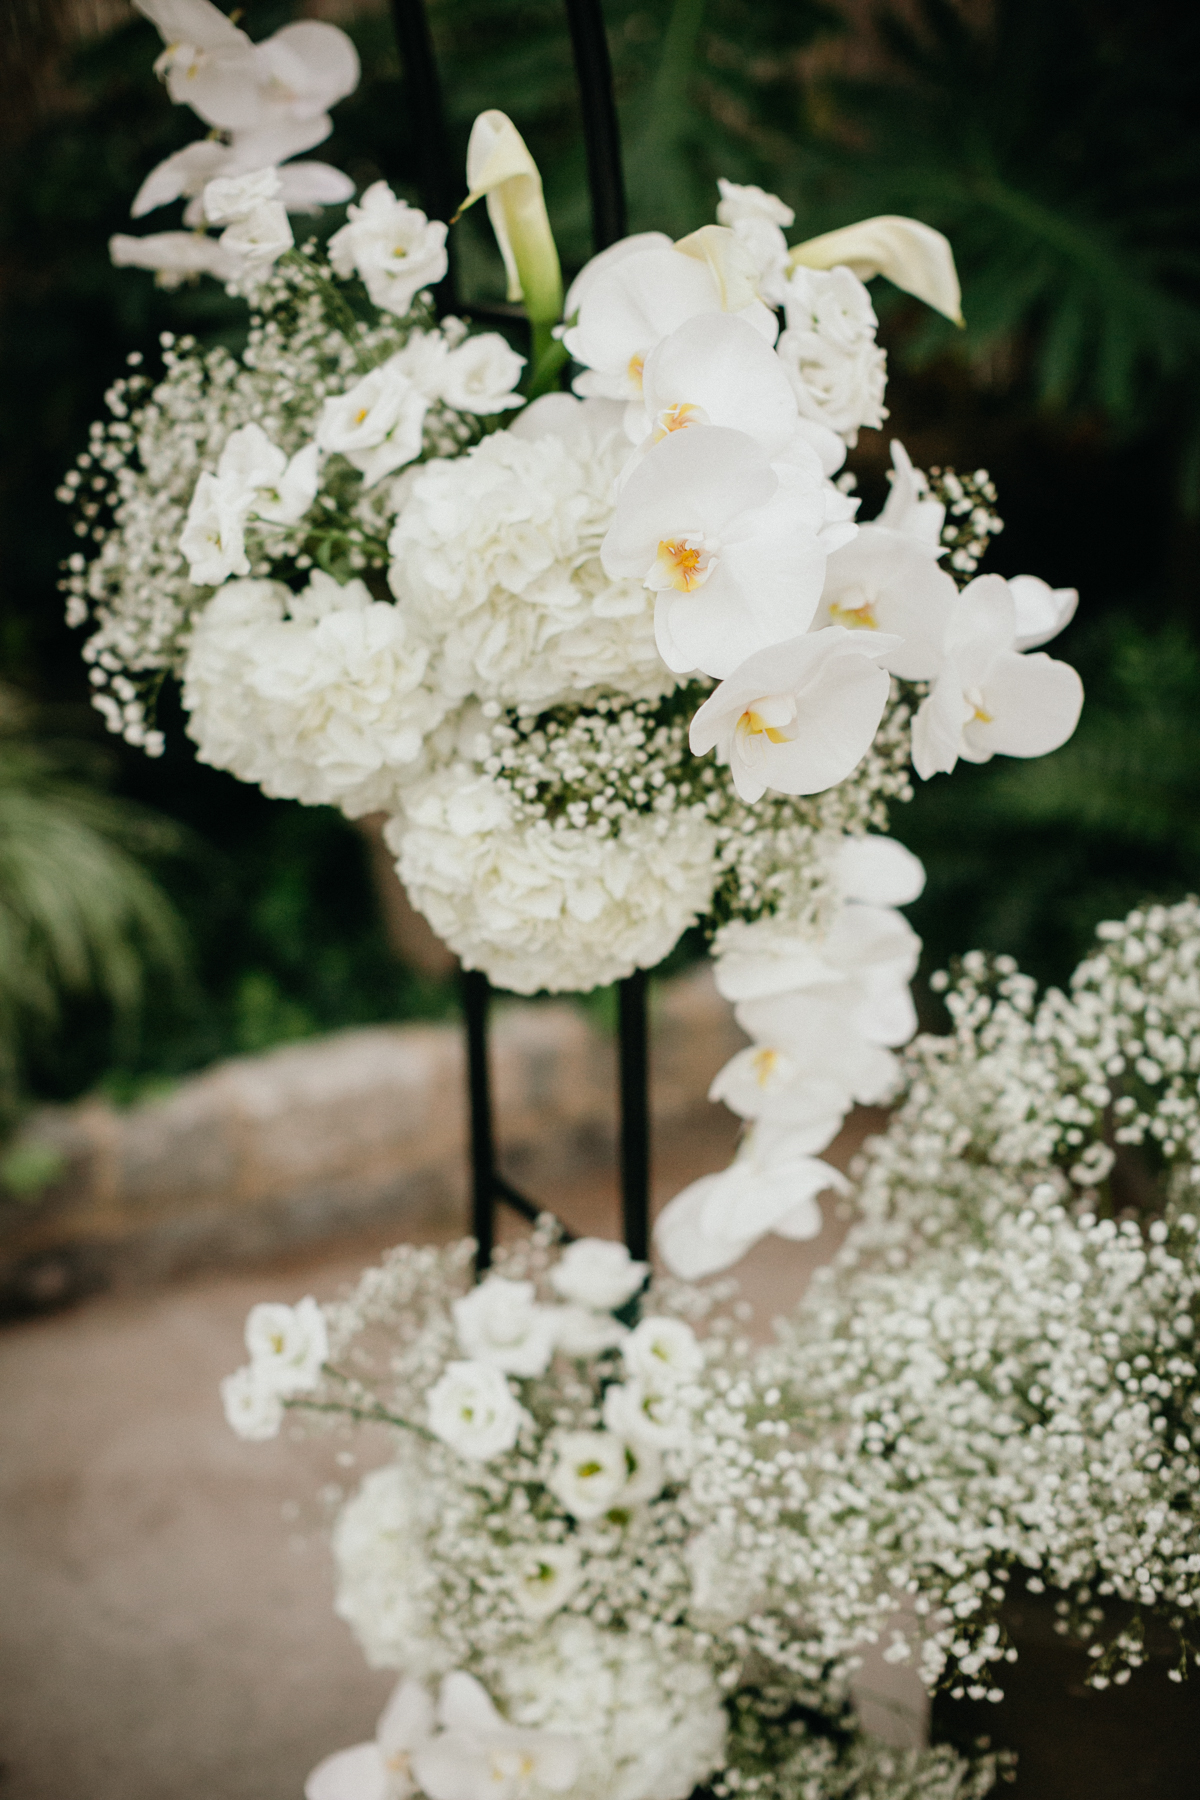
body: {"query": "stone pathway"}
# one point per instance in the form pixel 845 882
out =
pixel 166 1630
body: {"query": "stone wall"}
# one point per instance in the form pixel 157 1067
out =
pixel 357 1131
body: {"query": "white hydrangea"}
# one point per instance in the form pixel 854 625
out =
pixel 387 1588
pixel 496 555
pixel 549 906
pixel 649 1722
pixel 837 370
pixel 317 696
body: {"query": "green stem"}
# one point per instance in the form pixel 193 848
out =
pixel 547 362
pixel 376 1415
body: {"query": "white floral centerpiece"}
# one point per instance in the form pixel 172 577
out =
pixel 616 662
pixel 538 1560
pixel 995 1382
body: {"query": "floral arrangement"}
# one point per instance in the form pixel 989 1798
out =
pixel 996 1379
pixel 615 662
pixel 540 1560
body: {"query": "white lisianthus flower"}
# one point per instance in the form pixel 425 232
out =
pixel 645 1415
pixel 287 1344
pixel 545 1577
pixel 259 239
pixel 662 1352
pixel 213 540
pixel 838 372
pixel 253 1404
pixel 798 717
pixel 578 1331
pixel 910 507
pixel 1042 611
pixel 477 1755
pixel 387 1590
pixel 769 1186
pixel 229 198
pixel 381 1769
pixel 472 1409
pixel 598 1273
pixel 597 1472
pixel 480 374
pixel 757 220
pixel 258 479
pixel 649 1722
pixel 990 698
pixel 317 696
pixel 499 1322
pixel 496 554
pixel 733 545
pixel 285 498
pixel 377 424
pixel 393 246
pixel 888 581
pixel 542 907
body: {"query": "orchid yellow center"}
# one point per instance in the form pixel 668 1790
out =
pixel 636 365
pixel 678 418
pixel 764 1064
pixel 752 724
pixel 682 564
pixel 397 1762
pixel 854 618
pixel 979 711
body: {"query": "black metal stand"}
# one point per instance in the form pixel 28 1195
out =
pixel 438 192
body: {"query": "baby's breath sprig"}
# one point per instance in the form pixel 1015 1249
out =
pixel 971 518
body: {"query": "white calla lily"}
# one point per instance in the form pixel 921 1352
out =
pixel 500 169
pixel 798 716
pixel 913 256
pixel 887 581
pixel 990 699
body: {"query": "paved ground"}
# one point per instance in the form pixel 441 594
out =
pixel 166 1630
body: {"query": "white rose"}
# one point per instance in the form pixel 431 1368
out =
pixel 473 1410
pixel 838 372
pixel 662 1352
pixel 499 1323
pixel 598 1272
pixel 253 1405
pixel 597 1472
pixel 287 1344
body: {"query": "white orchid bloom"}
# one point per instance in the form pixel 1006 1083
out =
pixel 717 370
pixel 499 1322
pixel 479 376
pixel 837 1034
pixel 253 1404
pixel 604 260
pixel 259 239
pixel 799 716
pixel 626 304
pixel 885 581
pixel 910 507
pixel 545 1577
pixel 734 546
pixel 303 186
pixel 381 1769
pixel 500 169
pixel 598 1273
pixel 1042 611
pixel 878 870
pixel 837 370
pixel 208 64
pixel 393 246
pixel 990 698
pixel 378 423
pixel 864 962
pixel 175 256
pixel 183 175
pixel 767 1082
pixel 477 1755
pixel 757 219
pixel 288 1344
pixel 303 69
pixel 913 256
pixel 769 1186
pixel 472 1409
pixel 598 1472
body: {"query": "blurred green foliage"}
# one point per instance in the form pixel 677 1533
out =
pixel 1055 142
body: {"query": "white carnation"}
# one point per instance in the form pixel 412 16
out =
pixel 542 906
pixel 316 696
pixel 838 372
pixel 650 1723
pixel 497 555
pixel 387 1590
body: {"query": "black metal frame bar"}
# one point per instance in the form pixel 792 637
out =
pixel 606 184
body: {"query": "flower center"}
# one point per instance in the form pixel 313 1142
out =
pixel 764 1063
pixel 854 618
pixel 755 724
pixel 678 418
pixel 634 370
pixel 681 563
pixel 979 711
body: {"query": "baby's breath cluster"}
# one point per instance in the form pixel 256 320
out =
pixel 971 518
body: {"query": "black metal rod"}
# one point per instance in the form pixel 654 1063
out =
pixel 476 994
pixel 634 1060
pixel 435 161
pixel 601 133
